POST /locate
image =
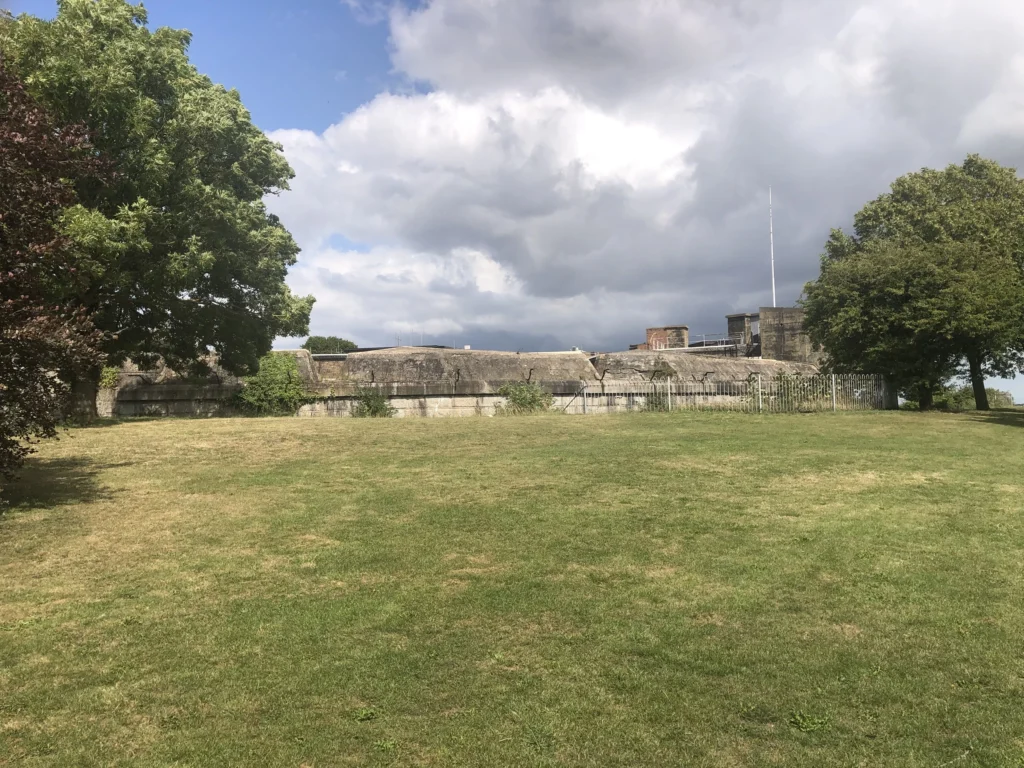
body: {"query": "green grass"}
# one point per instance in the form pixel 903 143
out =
pixel 637 590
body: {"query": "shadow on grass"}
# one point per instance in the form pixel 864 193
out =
pixel 45 483
pixel 118 421
pixel 1009 417
pixel 107 421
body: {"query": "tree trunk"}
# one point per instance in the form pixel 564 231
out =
pixel 925 397
pixel 891 398
pixel 84 390
pixel 978 382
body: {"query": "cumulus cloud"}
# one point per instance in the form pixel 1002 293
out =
pixel 572 172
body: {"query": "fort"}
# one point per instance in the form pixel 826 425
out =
pixel 440 381
pixel 773 333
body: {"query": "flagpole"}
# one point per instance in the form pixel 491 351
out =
pixel 771 240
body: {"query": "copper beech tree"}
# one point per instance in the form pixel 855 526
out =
pixel 45 336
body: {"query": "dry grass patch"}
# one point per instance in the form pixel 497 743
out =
pixel 612 591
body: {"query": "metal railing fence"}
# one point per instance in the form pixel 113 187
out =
pixel 756 394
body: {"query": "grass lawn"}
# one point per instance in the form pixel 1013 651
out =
pixel 637 590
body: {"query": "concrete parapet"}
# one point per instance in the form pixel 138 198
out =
pixel 416 364
pixel 681 365
pixel 783 336
pixel 172 399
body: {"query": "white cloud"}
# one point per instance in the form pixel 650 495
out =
pixel 578 170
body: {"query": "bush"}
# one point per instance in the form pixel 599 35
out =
pixel 961 398
pixel 109 377
pixel 328 345
pixel 523 397
pixel 998 398
pixel 277 388
pixel 656 401
pixel 372 403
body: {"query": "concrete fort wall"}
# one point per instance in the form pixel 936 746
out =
pixel 167 400
pixel 783 336
pixel 467 398
pixel 452 383
pixel 432 399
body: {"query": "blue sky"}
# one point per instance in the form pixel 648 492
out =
pixel 297 64
pixel 540 174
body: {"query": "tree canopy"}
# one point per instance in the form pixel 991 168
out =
pixel 178 250
pixel 326 345
pixel 44 334
pixel 931 282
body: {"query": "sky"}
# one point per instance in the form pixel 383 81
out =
pixel 529 174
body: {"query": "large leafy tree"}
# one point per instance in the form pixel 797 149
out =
pixel 915 313
pixel 979 202
pixel 44 334
pixel 181 254
pixel 929 281
pixel 326 345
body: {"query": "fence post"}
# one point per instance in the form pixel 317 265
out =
pixel 760 404
pixel 833 393
pixel 584 397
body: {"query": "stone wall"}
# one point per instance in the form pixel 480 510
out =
pixel 431 382
pixel 668 337
pixel 680 365
pixel 434 404
pixel 783 336
pixel 415 365
pixel 741 326
pixel 167 399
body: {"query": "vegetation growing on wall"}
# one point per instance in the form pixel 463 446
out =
pixel 276 389
pixel 523 397
pixel 108 377
pixel 372 403
pixel 657 401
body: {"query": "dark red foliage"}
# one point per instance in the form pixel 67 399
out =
pixel 45 336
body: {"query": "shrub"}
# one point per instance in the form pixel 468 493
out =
pixel 998 398
pixel 523 397
pixel 656 401
pixel 961 398
pixel 108 377
pixel 277 388
pixel 372 403
pixel 320 345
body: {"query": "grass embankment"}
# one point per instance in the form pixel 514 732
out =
pixel 682 589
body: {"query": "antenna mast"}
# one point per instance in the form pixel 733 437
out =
pixel 771 240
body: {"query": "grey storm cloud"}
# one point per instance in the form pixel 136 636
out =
pixel 576 171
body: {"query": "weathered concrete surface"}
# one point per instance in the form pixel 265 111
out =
pixel 783 336
pixel 161 373
pixel 433 382
pixel 437 388
pixel 437 405
pixel 741 326
pixel 413 365
pixel 637 365
pixel 167 399
pixel 161 391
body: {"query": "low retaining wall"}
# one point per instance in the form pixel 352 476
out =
pixel 481 398
pixel 437 399
pixel 465 398
pixel 172 399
